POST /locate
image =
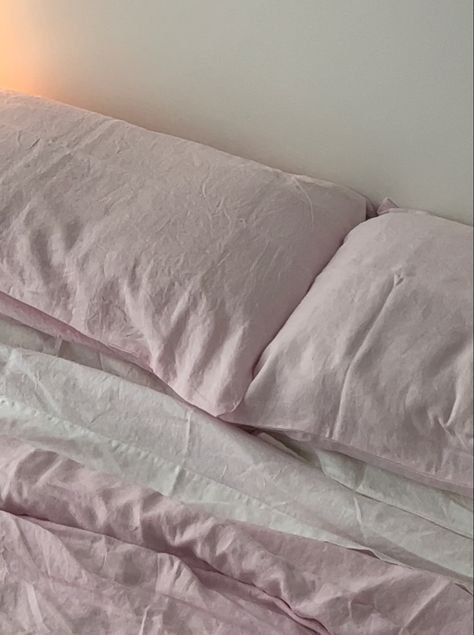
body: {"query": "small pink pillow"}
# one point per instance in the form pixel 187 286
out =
pixel 376 361
pixel 183 258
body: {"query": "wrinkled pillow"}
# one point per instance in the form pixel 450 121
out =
pixel 182 258
pixel 376 361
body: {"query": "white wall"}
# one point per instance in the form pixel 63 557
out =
pixel 373 93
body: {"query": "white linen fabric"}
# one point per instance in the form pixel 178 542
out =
pixel 110 415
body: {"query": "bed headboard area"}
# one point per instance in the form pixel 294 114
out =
pixel 374 94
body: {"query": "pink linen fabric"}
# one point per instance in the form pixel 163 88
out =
pixel 83 552
pixel 376 362
pixel 183 258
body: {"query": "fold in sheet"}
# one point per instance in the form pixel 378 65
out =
pixel 114 425
pixel 448 510
pixel 83 552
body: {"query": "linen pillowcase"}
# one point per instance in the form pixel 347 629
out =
pixel 182 258
pixel 376 361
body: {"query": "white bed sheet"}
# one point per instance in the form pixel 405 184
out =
pixel 112 416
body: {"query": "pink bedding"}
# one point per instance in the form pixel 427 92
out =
pixel 82 552
pixel 183 258
pixel 187 262
pixel 376 361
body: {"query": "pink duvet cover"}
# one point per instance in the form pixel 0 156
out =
pixel 81 552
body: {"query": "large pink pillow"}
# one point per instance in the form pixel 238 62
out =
pixel 183 258
pixel 376 361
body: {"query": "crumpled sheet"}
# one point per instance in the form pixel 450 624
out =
pixel 125 426
pixel 82 552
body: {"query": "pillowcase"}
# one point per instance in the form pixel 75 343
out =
pixel 376 361
pixel 182 258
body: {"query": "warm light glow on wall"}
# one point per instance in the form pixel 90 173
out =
pixel 20 50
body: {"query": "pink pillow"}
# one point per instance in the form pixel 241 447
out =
pixel 183 258
pixel 376 361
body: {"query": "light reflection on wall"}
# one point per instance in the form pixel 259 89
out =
pixel 20 50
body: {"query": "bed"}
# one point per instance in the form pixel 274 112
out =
pixel 157 471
